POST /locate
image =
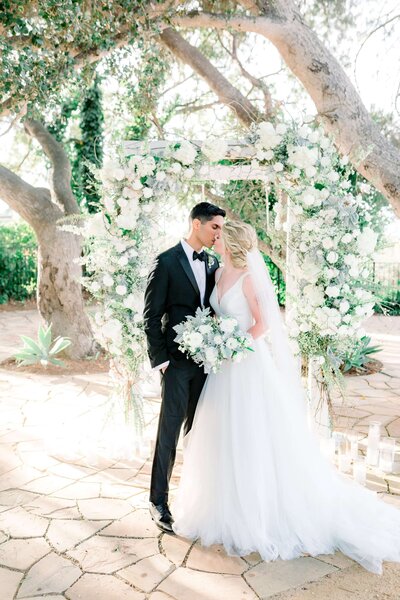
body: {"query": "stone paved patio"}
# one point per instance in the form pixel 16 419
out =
pixel 74 523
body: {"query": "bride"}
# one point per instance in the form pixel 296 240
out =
pixel 253 477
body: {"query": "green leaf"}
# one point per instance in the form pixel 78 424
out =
pixel 57 362
pixel 44 336
pixel 31 344
pixel 60 344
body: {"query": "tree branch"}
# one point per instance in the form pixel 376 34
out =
pixel 255 81
pixel 339 106
pixel 225 91
pixel 32 204
pixel 61 167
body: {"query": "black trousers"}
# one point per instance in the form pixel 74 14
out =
pixel 181 385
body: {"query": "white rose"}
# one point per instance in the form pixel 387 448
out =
pixel 137 318
pixel 218 340
pixel 332 291
pixel 310 171
pixel 228 325
pixel 119 174
pixel 95 286
pixel 123 261
pixel 304 327
pixel 195 340
pixel 188 173
pixel 347 238
pixel 232 344
pixel 269 155
pixel 129 302
pixel 324 142
pixel 365 188
pixel 160 175
pixel 147 192
pixel 176 168
pixel 278 167
pixel 211 355
pixel 325 161
pixel 327 243
pixel 121 290
pixel 137 184
pixel 344 306
pixel 313 294
pixel 333 176
pixel 108 280
pixel 332 257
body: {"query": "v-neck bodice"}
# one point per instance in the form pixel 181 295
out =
pixel 233 303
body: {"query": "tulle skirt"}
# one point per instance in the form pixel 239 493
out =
pixel 254 480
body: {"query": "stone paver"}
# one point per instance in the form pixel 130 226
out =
pixel 102 587
pixel 9 581
pixel 52 574
pixel 22 554
pixel 18 523
pixel 64 534
pixel 74 522
pixel 137 524
pixel 148 572
pixel 214 560
pixel 267 579
pixel 104 508
pixel 109 554
pixel 185 584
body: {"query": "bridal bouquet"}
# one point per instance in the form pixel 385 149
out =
pixel 209 341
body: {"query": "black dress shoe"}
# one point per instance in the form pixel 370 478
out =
pixel 161 516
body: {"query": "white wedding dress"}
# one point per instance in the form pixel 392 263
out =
pixel 253 477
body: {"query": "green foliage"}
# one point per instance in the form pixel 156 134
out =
pixel 143 83
pixel 360 355
pixel 43 41
pixel 83 140
pixel 18 262
pixel 43 351
pixel 89 150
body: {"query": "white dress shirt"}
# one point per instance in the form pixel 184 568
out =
pixel 199 271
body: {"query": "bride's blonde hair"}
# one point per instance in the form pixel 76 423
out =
pixel 239 239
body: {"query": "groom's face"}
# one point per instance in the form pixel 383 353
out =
pixel 208 231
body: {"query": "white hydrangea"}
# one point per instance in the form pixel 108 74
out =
pixel 214 149
pixel 269 137
pixel 186 153
pixel 366 241
pixel 302 157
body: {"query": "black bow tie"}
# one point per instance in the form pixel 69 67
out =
pixel 199 255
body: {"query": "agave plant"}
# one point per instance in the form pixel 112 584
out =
pixel 360 356
pixel 43 350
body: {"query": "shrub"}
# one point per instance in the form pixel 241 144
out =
pixel 18 262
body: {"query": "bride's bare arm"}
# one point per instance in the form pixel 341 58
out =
pixel 259 327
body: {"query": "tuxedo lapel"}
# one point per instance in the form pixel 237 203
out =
pixel 183 259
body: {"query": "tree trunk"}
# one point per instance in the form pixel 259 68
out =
pixel 59 294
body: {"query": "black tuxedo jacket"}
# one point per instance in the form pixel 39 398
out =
pixel 171 295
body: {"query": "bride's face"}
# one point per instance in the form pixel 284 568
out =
pixel 219 245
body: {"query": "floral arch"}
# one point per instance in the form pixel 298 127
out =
pixel 329 240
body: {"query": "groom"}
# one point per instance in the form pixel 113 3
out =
pixel 180 282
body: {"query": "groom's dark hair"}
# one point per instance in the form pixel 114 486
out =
pixel 205 211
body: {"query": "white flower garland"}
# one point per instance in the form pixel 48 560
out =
pixel 331 240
